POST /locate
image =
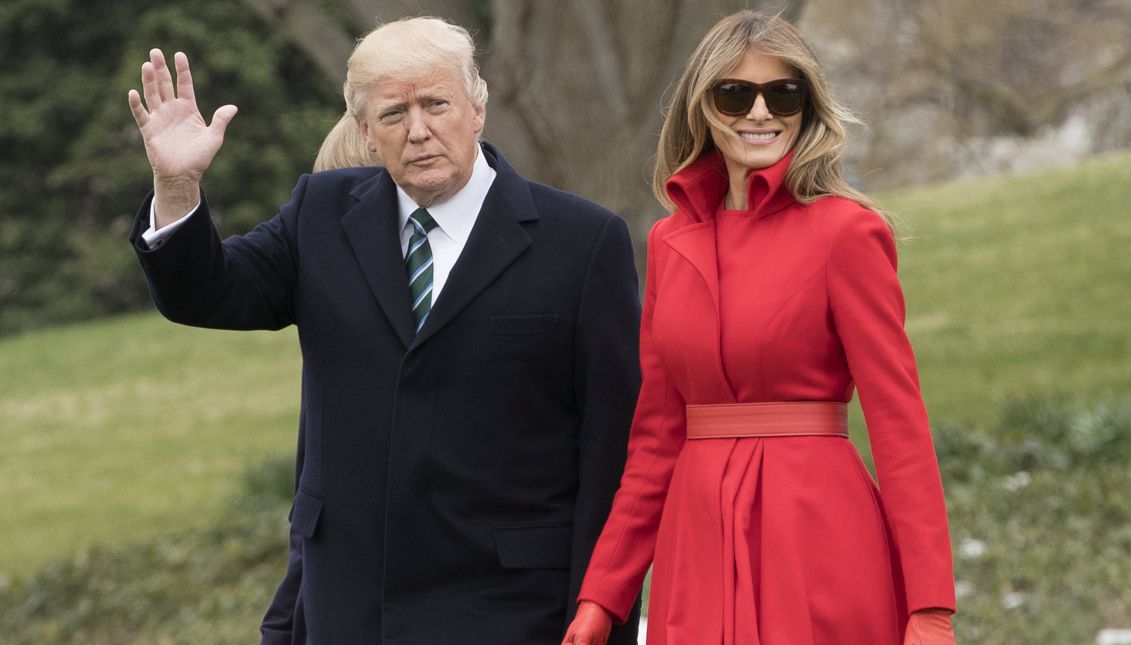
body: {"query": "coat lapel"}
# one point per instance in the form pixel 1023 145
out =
pixel 696 244
pixel 371 227
pixel 496 240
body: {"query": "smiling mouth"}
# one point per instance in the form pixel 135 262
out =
pixel 759 137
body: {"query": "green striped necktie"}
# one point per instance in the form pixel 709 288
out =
pixel 418 263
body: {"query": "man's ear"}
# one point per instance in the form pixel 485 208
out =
pixel 363 125
pixel 480 117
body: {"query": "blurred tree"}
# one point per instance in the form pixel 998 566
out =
pixel 961 87
pixel 576 88
pixel 74 169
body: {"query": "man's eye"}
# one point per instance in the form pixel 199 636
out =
pixel 391 115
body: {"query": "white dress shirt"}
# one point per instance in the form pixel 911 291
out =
pixel 455 219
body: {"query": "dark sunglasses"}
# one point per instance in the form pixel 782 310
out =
pixel 783 97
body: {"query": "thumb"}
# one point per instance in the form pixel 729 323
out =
pixel 222 117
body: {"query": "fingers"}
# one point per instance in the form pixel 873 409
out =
pixel 579 634
pixel 222 117
pixel 164 77
pixel 157 83
pixel 184 77
pixel 149 86
pixel 141 116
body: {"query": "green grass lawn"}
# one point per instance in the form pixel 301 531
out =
pixel 127 428
pixel 1019 285
pixel 132 427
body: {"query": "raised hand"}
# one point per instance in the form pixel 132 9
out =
pixel 180 145
pixel 591 625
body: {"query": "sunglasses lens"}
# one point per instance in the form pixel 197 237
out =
pixel 734 99
pixel 784 98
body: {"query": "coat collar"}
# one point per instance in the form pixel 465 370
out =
pixel 496 240
pixel 698 191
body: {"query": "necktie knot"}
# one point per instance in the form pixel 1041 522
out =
pixel 422 220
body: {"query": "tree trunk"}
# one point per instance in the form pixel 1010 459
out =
pixel 576 88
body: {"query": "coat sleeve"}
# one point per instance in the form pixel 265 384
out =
pixel 868 313
pixel 627 543
pixel 607 382
pixel 284 623
pixel 243 282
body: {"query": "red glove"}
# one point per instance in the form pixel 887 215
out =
pixel 591 625
pixel 929 627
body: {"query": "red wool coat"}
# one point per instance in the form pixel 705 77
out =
pixel 774 541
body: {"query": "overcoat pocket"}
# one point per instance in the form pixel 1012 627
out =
pixel 534 547
pixel 305 514
pixel 532 325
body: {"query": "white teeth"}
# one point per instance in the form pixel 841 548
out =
pixel 758 136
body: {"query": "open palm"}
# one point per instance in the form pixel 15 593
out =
pixel 179 143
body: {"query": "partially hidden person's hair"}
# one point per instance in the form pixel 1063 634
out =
pixel 816 167
pixel 344 147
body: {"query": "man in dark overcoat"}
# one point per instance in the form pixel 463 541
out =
pixel 469 344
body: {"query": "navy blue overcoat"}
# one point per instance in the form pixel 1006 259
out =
pixel 452 482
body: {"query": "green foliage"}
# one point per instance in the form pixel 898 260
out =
pixel 206 585
pixel 73 169
pixel 1040 515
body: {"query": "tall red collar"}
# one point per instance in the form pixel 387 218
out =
pixel 698 190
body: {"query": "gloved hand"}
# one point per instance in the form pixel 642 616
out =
pixel 591 625
pixel 929 627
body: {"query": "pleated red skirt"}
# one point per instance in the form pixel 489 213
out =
pixel 774 541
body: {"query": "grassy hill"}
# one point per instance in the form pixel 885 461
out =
pixel 127 428
pixel 133 428
pixel 1018 285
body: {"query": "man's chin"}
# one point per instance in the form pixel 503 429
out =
pixel 426 188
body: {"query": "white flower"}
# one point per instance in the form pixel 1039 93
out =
pixel 1114 637
pixel 971 548
pixel 1017 481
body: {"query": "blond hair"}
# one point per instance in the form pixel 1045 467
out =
pixel 686 135
pixel 344 147
pixel 408 49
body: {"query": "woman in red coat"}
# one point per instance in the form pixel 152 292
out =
pixel 771 295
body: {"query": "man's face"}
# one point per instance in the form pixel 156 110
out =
pixel 425 132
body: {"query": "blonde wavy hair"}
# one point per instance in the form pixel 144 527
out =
pixel 686 135
pixel 344 147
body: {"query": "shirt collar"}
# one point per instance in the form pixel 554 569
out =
pixel 457 215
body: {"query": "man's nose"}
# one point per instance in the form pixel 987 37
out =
pixel 417 126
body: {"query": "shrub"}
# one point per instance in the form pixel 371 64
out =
pixel 1040 513
pixel 207 585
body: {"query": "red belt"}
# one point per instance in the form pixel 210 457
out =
pixel 799 419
